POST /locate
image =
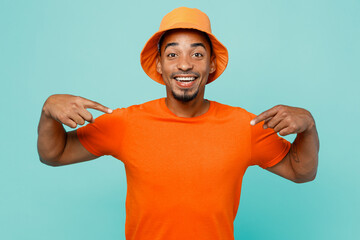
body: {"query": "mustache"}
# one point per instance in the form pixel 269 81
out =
pixel 184 73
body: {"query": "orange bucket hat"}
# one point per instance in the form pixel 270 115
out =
pixel 183 18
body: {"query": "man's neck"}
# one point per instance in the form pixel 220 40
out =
pixel 193 108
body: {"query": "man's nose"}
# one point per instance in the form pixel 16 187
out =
pixel 185 64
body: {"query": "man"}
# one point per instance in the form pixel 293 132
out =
pixel 184 155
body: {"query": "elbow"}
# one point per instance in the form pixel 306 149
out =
pixel 52 163
pixel 304 179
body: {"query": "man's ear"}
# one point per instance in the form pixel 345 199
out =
pixel 158 64
pixel 212 64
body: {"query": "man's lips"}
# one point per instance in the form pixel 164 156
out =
pixel 185 81
pixel 185 78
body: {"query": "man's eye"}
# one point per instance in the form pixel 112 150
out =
pixel 198 55
pixel 171 55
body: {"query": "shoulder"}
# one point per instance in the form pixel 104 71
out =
pixel 232 111
pixel 146 107
pixel 149 106
pixel 122 116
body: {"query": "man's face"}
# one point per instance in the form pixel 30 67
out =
pixel 185 63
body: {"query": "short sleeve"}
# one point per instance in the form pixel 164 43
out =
pixel 267 148
pixel 104 135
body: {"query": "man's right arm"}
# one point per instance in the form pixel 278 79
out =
pixel 57 147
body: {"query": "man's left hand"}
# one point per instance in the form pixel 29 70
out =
pixel 286 120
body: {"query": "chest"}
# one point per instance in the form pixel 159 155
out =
pixel 184 150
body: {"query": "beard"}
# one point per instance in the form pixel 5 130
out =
pixel 184 96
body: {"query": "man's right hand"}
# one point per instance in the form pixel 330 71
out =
pixel 57 147
pixel 71 110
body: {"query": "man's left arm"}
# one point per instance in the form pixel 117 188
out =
pixel 300 164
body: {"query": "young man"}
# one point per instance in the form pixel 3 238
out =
pixel 184 155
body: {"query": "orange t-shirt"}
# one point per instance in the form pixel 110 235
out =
pixel 183 174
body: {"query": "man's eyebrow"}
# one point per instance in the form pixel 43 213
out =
pixel 198 45
pixel 171 44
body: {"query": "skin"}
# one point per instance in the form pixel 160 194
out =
pixel 301 162
pixel 56 147
pixel 183 53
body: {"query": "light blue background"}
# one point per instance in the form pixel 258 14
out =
pixel 299 53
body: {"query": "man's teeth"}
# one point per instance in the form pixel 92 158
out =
pixel 185 79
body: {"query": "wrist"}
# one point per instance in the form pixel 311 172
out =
pixel 311 128
pixel 45 108
pixel 311 124
pixel 45 112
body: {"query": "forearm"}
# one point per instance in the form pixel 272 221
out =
pixel 303 155
pixel 51 139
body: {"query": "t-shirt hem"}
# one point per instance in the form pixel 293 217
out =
pixel 85 144
pixel 277 159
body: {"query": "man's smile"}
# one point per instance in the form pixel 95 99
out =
pixel 185 80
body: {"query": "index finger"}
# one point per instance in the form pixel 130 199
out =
pixel 264 115
pixel 97 106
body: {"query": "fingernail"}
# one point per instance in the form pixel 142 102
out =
pixel 252 122
pixel 265 126
pixel 110 110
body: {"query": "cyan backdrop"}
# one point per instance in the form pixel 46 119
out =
pixel 299 53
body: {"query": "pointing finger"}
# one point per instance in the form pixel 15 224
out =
pixel 97 106
pixel 264 115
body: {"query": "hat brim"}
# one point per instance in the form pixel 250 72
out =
pixel 150 52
